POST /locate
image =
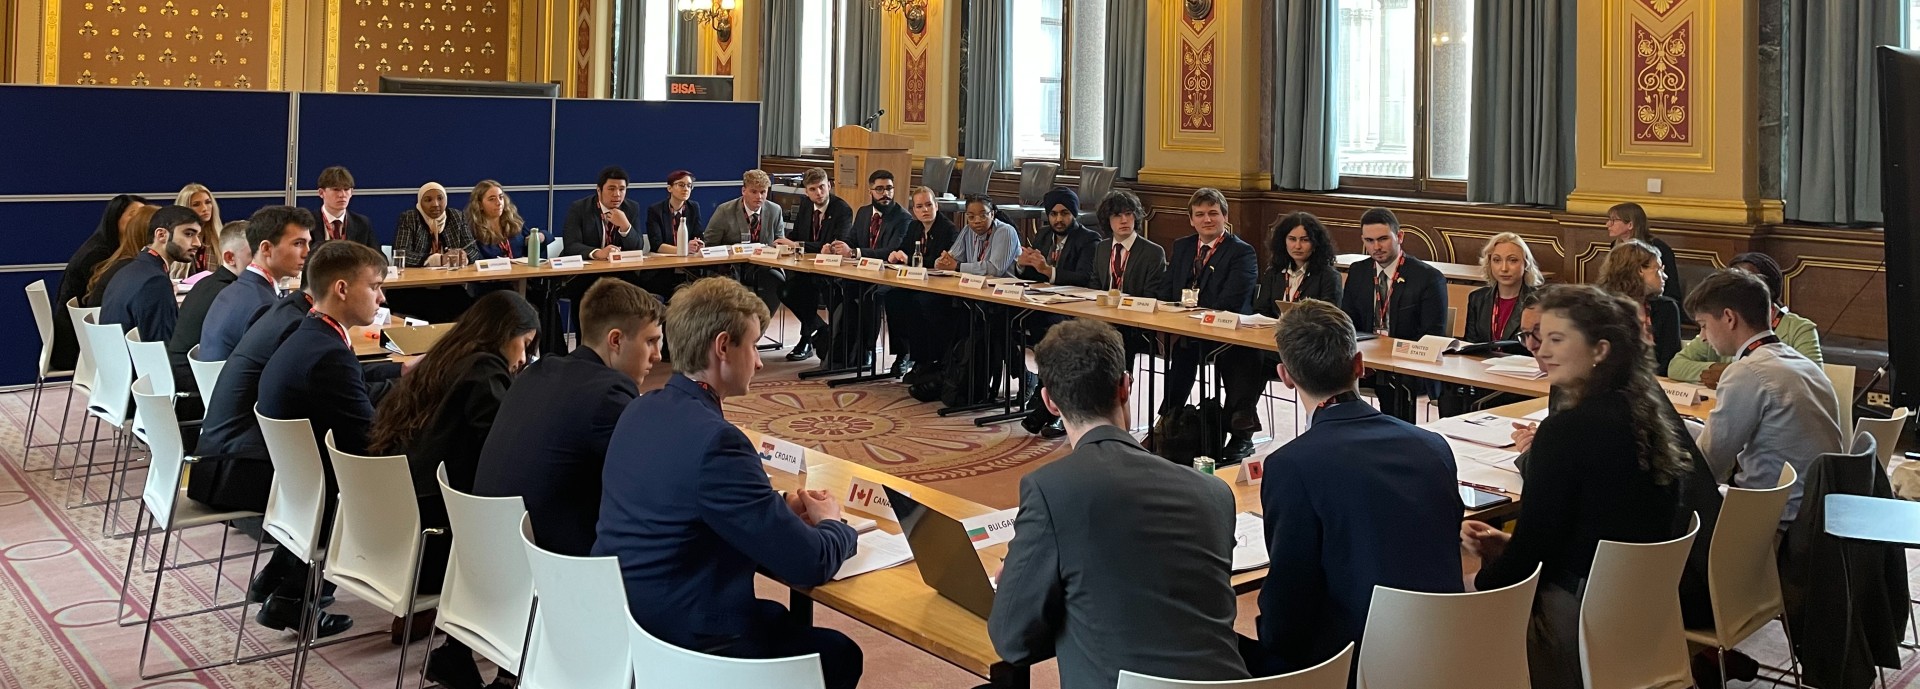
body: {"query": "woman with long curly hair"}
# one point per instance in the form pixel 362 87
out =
pixel 1610 464
pixel 1633 270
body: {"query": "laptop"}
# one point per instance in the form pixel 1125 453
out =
pixel 948 563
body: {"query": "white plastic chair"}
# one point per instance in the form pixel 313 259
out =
pixel 1842 377
pixel 377 542
pixel 1328 675
pixel 296 504
pixel 661 665
pixel 1743 577
pixel 1631 636
pixel 165 500
pixel 43 324
pixel 83 379
pixel 109 404
pixel 486 601
pixel 206 375
pixel 1885 432
pixel 1448 640
pixel 580 627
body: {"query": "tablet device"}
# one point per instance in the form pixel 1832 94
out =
pixel 1475 499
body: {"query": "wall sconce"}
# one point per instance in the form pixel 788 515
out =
pixel 1199 10
pixel 915 11
pixel 718 13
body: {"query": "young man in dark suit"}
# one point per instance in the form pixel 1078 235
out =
pixel 821 222
pixel 336 222
pixel 1223 271
pixel 688 510
pixel 314 375
pixel 1394 295
pixel 878 230
pixel 752 219
pixel 562 411
pixel 1095 574
pixel 1321 499
pixel 1063 256
pixel 604 221
pixel 141 295
pixel 279 237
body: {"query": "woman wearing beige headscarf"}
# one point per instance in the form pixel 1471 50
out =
pixel 430 236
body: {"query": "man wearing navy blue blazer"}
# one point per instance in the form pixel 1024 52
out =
pixel 1224 271
pixel 562 410
pixel 1322 497
pixel 279 236
pixel 1393 295
pixel 604 221
pixel 687 508
pixel 314 375
pixel 821 221
pixel 141 295
pixel 333 218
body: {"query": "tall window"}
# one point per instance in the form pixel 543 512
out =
pixel 1405 86
pixel 816 73
pixel 1058 56
pixel 656 52
pixel 1913 24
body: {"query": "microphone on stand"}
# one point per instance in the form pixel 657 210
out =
pixel 873 119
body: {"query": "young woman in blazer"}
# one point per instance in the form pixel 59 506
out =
pixel 1493 315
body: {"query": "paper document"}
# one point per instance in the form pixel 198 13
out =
pixel 1522 367
pixel 878 550
pixel 1487 429
pixel 1489 456
pixel 1249 542
pixel 1053 298
pixel 1540 414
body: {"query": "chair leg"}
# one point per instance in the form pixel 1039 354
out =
pixel 1721 657
pixel 1793 656
pixel 309 621
pixel 153 606
pixel 126 578
pixel 33 413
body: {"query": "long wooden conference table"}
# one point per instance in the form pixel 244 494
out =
pixel 895 600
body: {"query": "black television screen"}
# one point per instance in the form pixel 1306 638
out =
pixel 461 87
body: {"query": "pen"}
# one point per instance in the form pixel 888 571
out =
pixel 1477 486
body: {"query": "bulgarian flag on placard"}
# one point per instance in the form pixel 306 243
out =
pixel 977 535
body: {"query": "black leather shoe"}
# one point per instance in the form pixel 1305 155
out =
pixel 281 614
pixel 1053 431
pixel 1238 448
pixel 801 352
pixel 453 668
pixel 260 589
pixel 901 365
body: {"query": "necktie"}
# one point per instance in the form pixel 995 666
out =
pixel 753 227
pixel 873 231
pixel 333 230
pixel 1119 264
pixel 1381 295
pixel 1053 257
pixel 819 221
pixel 1200 264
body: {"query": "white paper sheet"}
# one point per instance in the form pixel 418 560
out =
pixel 1249 542
pixel 878 550
pixel 1486 429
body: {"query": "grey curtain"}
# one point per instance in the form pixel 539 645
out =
pixel 629 37
pixel 686 46
pixel 1126 86
pixel 1303 118
pixel 988 118
pixel 1522 132
pixel 1833 131
pixel 860 62
pixel 780 79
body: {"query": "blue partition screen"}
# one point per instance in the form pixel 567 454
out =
pixel 70 148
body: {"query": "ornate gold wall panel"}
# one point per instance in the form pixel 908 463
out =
pixel 439 39
pixel 188 43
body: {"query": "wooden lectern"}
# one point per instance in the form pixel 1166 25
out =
pixel 858 151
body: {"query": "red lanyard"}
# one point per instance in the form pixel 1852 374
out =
pixel 980 246
pixel 156 254
pixel 1502 316
pixel 1756 344
pixel 1201 256
pixel 1119 263
pixel 1293 293
pixel 1386 301
pixel 1341 398
pixel 330 321
pixel 506 249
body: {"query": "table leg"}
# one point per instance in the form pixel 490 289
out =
pixel 800 605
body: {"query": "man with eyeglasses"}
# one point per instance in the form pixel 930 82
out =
pixel 879 229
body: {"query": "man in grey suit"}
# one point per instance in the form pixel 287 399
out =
pixel 1120 559
pixel 752 219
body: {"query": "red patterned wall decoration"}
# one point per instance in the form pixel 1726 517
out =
pixel 583 49
pixel 1662 84
pixel 1660 8
pixel 916 84
pixel 441 39
pixel 723 58
pixel 188 43
pixel 1196 76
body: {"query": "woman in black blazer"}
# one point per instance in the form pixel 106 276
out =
pixel 1629 221
pixel 1633 270
pixel 1302 268
pixel 1493 315
pixel 440 414
pixel 1610 465
pixel 663 218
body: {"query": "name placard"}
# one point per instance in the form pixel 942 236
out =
pixel 393 272
pixel 1141 304
pixel 990 529
pixel 912 273
pixel 872 264
pixel 785 456
pixel 564 262
pixel 1008 289
pixel 745 249
pixel 492 264
pixel 1428 349
pixel 627 256
pixel 1220 319
pixel 1683 394
pixel 971 281
pixel 1252 469
pixel 827 260
pixel 766 251
pixel 716 251
pixel 866 496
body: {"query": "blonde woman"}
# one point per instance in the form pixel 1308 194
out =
pixel 1633 270
pixel 197 197
pixel 1493 311
pixel 498 229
